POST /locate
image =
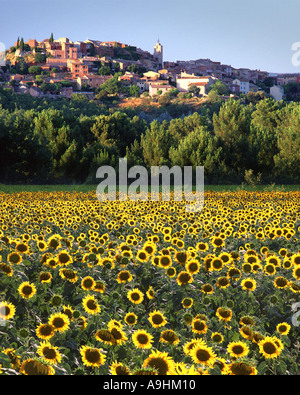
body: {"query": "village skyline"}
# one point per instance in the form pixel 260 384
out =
pixel 259 35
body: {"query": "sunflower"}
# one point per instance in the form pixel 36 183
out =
pixel 171 271
pixel 283 328
pixel 165 261
pixel 59 321
pixel 187 302
pixel 90 305
pixel 222 365
pixel 22 248
pixel 7 311
pixel 207 289
pixel 119 335
pixel 150 247
pixel 6 269
pixel 157 319
pixel 142 256
pixel 242 369
pixel 41 245
pixel 296 272
pixel 114 324
pixel 203 354
pixel 184 278
pixel 269 269
pixel 216 264
pixel 14 258
pixel 182 369
pixel 169 337
pixel 189 345
pixel 64 258
pixel 234 273
pixel 130 318
pixel 142 339
pixel 150 293
pixel 99 286
pixel 69 311
pixel 88 283
pixel 192 266
pixel 248 284
pixel 108 263
pixel 45 277
pixel 199 326
pixel 92 356
pixel 27 290
pixel 224 314
pixel 294 287
pixel 54 242
pixel 223 282
pixel 69 275
pixel 31 367
pixel 161 362
pixel 49 353
pixel 217 337
pixel 269 348
pixel 295 258
pixel 51 262
pixel 274 260
pixel 247 320
pixel 202 247
pixel 246 332
pixel 104 335
pixel 217 242
pixel 237 349
pixel 281 282
pixel 118 369
pixel 135 296
pixel 247 267
pixel 45 331
pixel 181 257
pixel 124 276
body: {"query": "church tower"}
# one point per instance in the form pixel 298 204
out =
pixel 158 53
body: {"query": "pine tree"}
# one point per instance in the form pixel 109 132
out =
pixel 22 46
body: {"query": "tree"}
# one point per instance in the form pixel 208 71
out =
pixel 51 39
pixel 263 134
pixel 35 70
pixel 287 160
pixel 155 144
pixel 22 45
pixel 104 70
pixel 194 89
pixel 232 127
pixel 134 90
pixel 220 88
pixel 198 148
pixel 39 58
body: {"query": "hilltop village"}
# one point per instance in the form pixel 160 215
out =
pixel 97 69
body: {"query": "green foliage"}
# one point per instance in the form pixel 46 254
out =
pixel 63 141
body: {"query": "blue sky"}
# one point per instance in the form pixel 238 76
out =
pixel 255 34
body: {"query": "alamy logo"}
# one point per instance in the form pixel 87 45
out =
pixel 160 184
pixel 296 55
pixel 2 314
pixel 296 316
pixel 2 54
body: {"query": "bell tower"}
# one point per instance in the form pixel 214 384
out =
pixel 158 53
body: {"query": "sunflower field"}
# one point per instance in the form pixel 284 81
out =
pixel 146 287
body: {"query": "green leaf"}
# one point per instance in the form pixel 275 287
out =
pixel 262 367
pixel 4 360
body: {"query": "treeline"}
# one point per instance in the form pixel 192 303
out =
pixel 66 141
